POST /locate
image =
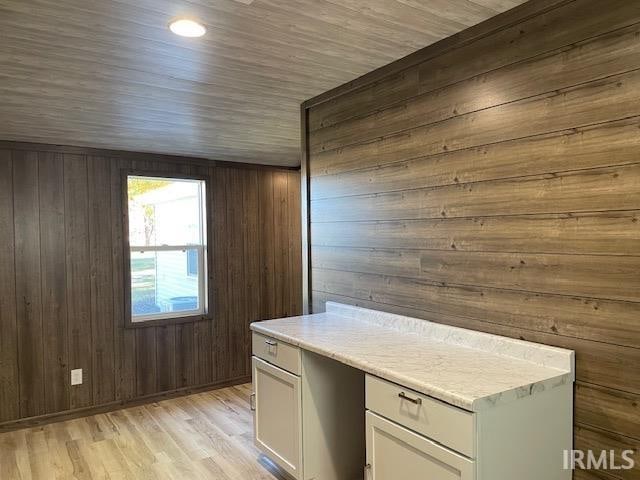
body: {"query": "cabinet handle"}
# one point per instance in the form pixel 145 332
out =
pixel 252 402
pixel 367 470
pixel 416 401
pixel 271 343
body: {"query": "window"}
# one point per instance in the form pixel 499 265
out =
pixel 192 263
pixel 168 251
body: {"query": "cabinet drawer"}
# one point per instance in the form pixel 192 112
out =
pixel 396 453
pixel 276 352
pixel 437 420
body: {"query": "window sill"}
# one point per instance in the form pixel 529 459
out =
pixel 160 322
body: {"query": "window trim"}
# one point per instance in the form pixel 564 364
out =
pixel 206 260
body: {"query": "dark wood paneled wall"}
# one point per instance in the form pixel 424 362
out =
pixel 62 285
pixel 495 185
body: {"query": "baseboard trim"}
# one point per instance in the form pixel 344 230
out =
pixel 109 407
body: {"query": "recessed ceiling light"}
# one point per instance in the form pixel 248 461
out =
pixel 187 28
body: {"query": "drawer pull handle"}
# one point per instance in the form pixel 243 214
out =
pixel 252 402
pixel 271 343
pixel 404 396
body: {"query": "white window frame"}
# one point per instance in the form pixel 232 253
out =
pixel 203 297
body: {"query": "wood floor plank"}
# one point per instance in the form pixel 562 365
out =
pixel 177 439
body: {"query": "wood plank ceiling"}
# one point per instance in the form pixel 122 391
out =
pixel 109 74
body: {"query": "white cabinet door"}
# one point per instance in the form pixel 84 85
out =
pixel 278 408
pixel 396 453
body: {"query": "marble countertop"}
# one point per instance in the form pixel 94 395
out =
pixel 468 369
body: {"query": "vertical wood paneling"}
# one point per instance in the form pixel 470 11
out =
pixel 53 281
pixel 165 358
pixel 281 243
pixel 185 361
pixel 267 242
pixel 501 199
pixel 203 355
pixel 221 308
pixel 78 287
pixel 28 288
pixel 295 245
pixel 125 341
pixel 146 360
pixel 63 306
pixel 251 255
pixel 235 265
pixel 203 352
pixel 102 327
pixel 9 393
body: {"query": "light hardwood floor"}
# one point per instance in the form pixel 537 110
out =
pixel 201 436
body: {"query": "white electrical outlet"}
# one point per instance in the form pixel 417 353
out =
pixel 76 376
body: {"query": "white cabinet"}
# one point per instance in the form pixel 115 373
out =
pixel 277 417
pixel 318 418
pixel 309 412
pixel 397 453
pixel 412 436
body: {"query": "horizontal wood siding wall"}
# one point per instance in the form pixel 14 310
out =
pixel 62 284
pixel 496 186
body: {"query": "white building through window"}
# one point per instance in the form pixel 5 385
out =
pixel 167 239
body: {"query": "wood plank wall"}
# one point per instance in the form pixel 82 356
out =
pixel 496 186
pixel 62 288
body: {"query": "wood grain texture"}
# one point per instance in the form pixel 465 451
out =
pixel 53 281
pixel 494 186
pixel 596 233
pixel 101 280
pixel 221 275
pixel 10 391
pixel 601 101
pixel 578 148
pixel 28 288
pixel 605 55
pixel 78 267
pixel 605 189
pixel 555 314
pixel 540 30
pixel 137 86
pixel 62 307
